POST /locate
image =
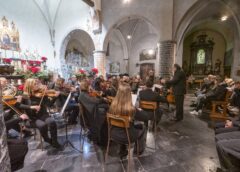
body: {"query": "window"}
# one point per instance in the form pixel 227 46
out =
pixel 201 56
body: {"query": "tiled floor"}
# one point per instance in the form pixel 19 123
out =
pixel 187 146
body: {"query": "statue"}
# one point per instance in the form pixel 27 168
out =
pixel 95 13
pixel 217 67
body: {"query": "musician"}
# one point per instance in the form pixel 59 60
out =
pixel 149 95
pixel 37 111
pixel 178 82
pixel 95 109
pixel 112 90
pixel 122 105
pixel 17 148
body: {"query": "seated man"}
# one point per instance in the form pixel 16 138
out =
pixel 94 112
pixel 228 148
pixel 149 95
pixel 216 94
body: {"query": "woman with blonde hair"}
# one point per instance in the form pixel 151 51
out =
pixel 122 105
pixel 37 111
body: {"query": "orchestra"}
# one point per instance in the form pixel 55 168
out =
pixel 31 108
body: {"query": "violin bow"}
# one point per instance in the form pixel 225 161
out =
pixel 14 109
pixel 43 96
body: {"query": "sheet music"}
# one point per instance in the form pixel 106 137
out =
pixel 65 104
pixel 134 99
pixel 156 86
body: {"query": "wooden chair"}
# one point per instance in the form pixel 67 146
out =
pixel 120 121
pixel 220 116
pixel 153 107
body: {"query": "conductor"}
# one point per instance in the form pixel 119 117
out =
pixel 178 82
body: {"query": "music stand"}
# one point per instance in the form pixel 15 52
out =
pixel 62 113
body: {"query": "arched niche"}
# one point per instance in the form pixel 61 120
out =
pixel 126 52
pixel 76 52
pixel 206 15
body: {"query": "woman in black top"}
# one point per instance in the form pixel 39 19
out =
pixel 38 112
pixel 122 105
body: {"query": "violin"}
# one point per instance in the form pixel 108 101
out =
pixel 94 93
pixel 9 94
pixel 43 91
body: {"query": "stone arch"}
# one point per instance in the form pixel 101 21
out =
pixel 64 45
pixel 185 24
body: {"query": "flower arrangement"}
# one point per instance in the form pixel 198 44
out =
pixel 95 70
pixel 7 60
pixel 44 59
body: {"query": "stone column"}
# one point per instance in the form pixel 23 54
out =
pixel 4 156
pixel 100 62
pixel 167 58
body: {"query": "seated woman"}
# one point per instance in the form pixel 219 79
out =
pixel 37 112
pixel 122 105
pixel 94 112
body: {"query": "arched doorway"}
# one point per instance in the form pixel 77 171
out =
pixel 76 52
pixel 217 21
pixel 129 44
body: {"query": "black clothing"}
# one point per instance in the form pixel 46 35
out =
pixel 40 119
pixel 216 94
pixel 179 89
pixel 17 152
pixel 228 149
pixel 112 92
pixel 178 83
pixel 179 102
pixel 119 134
pixel 149 95
pixel 94 111
pixel 220 127
pixel 11 122
pixel 235 99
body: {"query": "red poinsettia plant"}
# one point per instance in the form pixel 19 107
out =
pixel 31 62
pixel 38 63
pixel 7 60
pixel 44 59
pixel 23 62
pixel 95 70
pixel 82 71
pixel 20 87
pixel 34 69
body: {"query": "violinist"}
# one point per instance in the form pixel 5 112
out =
pixel 35 105
pixel 18 148
pixel 94 111
pixel 112 89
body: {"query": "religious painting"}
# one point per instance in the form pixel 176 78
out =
pixel 9 35
pixel 148 54
pixel 115 67
pixel 201 56
pixel 145 68
pixel 76 59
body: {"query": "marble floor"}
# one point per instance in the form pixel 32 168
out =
pixel 187 146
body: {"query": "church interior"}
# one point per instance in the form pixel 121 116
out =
pixel 120 85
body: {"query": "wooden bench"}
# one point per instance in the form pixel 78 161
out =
pixel 222 115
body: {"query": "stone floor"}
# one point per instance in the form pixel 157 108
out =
pixel 187 146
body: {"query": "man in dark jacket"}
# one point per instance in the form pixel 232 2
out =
pixel 178 82
pixel 149 95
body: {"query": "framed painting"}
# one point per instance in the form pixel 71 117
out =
pixel 148 54
pixel 115 67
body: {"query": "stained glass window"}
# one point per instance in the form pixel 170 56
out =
pixel 201 56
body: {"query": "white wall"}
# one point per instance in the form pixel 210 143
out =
pixel 33 30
